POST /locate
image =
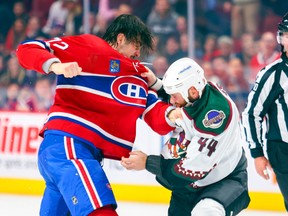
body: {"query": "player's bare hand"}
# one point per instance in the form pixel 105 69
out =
pixel 69 69
pixel 136 161
pixel 262 165
pixel 175 114
pixel 151 77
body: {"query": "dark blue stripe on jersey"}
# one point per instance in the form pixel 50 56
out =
pixel 40 41
pixel 94 82
pixel 98 83
pixel 92 129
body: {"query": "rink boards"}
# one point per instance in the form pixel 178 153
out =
pixel 19 142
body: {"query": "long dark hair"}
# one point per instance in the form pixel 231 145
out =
pixel 134 30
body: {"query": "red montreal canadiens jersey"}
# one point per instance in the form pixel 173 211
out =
pixel 102 104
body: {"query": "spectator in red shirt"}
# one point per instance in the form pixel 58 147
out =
pixel 266 54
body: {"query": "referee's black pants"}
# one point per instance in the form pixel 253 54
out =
pixel 278 157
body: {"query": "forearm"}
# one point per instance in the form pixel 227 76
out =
pixel 33 57
pixel 162 168
pixel 153 164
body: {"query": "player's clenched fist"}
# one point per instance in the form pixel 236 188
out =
pixel 174 114
pixel 69 69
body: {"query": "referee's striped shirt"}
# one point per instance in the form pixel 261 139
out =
pixel 268 102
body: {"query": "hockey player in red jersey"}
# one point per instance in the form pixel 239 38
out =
pixel 100 94
pixel 203 163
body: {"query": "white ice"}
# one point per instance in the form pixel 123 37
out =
pixel 14 205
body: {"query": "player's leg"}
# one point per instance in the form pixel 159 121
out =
pixel 84 184
pixel 53 203
pixel 208 207
pixel 228 193
pixel 181 203
pixel 74 169
pixel 232 191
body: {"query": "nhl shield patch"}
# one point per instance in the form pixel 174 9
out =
pixel 114 66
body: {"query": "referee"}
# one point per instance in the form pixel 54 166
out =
pixel 268 102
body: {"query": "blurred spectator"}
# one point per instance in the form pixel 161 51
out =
pixel 2 46
pixel 124 9
pixel 6 20
pixel 142 8
pixel 56 31
pixel 93 28
pixel 160 65
pixel 151 57
pixel 269 18
pixel 266 54
pixel 247 48
pixel 172 49
pixel 33 29
pixel 31 78
pixel 10 100
pixel 209 72
pixel 43 95
pixel 180 6
pixel 2 66
pixel 40 9
pixel 14 73
pixel 272 12
pixel 212 17
pixel 162 22
pixel 109 10
pixel 25 100
pixel 57 17
pixel 245 16
pixel 99 26
pixel 19 11
pixel 225 47
pixel 106 11
pixel 74 19
pixel 16 34
pixel 238 87
pixel 184 44
pixel 220 67
pixel 218 18
pixel 181 25
pixel 210 45
pixel 2 97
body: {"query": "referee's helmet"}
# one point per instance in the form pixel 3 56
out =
pixel 282 27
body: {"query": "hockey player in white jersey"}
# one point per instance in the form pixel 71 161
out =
pixel 203 163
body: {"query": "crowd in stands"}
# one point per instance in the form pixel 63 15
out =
pixel 233 40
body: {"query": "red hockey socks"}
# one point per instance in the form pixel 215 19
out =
pixel 104 211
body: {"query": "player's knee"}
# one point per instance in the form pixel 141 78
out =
pixel 208 207
pixel 104 211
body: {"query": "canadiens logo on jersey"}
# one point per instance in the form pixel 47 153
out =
pixel 129 90
pixel 214 119
pixel 114 66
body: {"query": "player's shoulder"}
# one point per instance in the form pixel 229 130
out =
pixel 83 38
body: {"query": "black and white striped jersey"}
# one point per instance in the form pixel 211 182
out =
pixel 267 103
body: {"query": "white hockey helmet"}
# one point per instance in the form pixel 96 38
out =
pixel 182 75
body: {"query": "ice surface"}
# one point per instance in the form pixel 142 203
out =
pixel 14 205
